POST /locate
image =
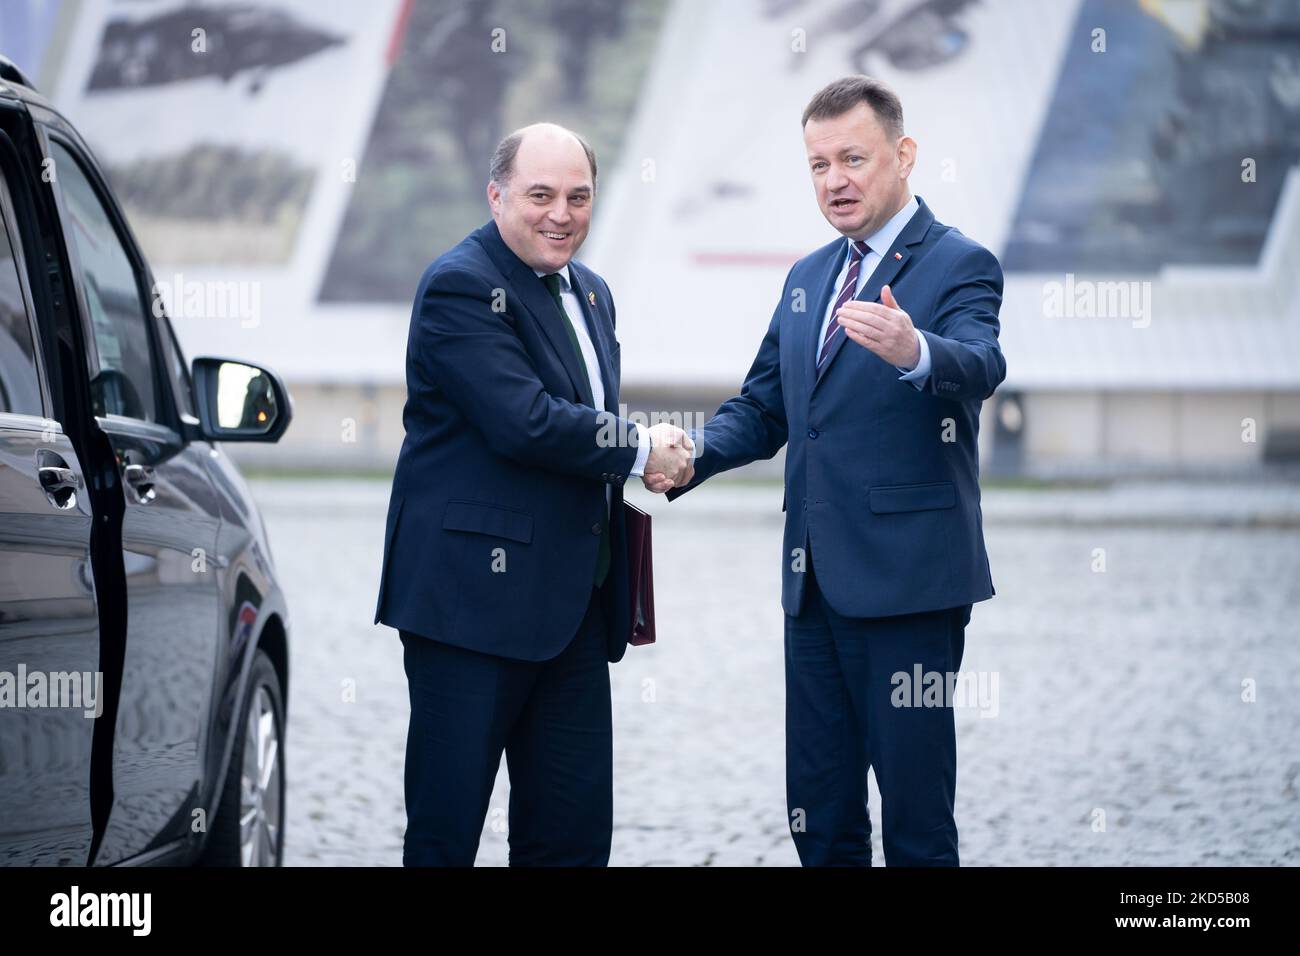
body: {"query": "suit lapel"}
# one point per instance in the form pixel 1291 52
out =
pixel 895 260
pixel 527 289
pixel 588 300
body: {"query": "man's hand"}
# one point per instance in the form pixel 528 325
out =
pixel 669 463
pixel 883 328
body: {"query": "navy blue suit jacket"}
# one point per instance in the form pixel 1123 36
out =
pixel 881 478
pixel 499 494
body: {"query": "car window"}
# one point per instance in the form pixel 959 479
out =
pixel 119 317
pixel 20 388
pixel 176 368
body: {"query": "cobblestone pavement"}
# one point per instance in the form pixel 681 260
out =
pixel 1119 694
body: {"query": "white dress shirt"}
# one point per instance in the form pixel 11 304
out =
pixel 573 309
pixel 880 243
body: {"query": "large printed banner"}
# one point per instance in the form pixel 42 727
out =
pixel 306 159
pixel 315 155
pixel 221 122
pixel 1152 124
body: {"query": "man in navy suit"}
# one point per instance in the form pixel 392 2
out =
pixel 505 566
pixel 872 372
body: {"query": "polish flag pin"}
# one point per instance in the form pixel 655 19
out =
pixel 898 255
pixel 591 297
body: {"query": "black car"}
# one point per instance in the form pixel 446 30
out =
pixel 143 637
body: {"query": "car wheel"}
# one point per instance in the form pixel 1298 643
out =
pixel 249 825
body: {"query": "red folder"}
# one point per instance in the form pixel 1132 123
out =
pixel 640 575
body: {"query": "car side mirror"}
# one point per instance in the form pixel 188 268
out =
pixel 240 402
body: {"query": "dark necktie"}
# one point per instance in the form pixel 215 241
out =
pixel 603 552
pixel 850 286
pixel 552 283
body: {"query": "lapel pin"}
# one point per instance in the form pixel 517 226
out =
pixel 898 255
pixel 591 297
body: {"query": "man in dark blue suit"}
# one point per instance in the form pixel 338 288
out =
pixel 872 372
pixel 505 566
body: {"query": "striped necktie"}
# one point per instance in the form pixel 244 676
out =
pixel 850 286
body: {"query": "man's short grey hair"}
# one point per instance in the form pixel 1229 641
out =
pixel 839 97
pixel 502 166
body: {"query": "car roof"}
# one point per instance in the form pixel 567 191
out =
pixel 14 84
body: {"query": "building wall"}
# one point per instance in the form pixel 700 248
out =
pixel 1189 432
pixel 359 428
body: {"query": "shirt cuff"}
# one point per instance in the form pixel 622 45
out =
pixel 642 452
pixel 918 375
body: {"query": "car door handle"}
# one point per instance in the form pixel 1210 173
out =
pixel 140 479
pixel 54 477
pixel 60 484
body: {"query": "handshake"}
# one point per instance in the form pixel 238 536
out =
pixel 669 463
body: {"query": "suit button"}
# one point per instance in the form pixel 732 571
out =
pixel 595 529
pixel 813 433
